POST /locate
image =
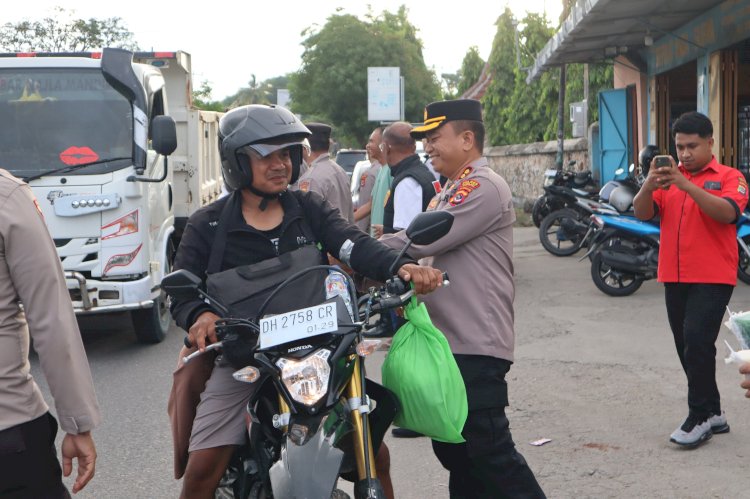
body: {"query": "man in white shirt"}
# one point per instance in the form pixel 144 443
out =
pixel 413 185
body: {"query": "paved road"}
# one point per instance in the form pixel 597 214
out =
pixel 597 375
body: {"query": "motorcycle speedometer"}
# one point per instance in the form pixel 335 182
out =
pixel 306 379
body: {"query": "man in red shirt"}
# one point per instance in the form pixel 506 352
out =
pixel 699 202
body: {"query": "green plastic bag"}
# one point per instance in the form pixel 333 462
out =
pixel 421 370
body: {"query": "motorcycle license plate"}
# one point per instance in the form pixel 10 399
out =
pixel 298 324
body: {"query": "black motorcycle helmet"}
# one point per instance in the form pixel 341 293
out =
pixel 645 156
pixel 264 129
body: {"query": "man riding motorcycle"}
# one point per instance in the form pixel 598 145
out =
pixel 261 152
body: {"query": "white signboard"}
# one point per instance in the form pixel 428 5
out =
pixel 383 94
pixel 282 97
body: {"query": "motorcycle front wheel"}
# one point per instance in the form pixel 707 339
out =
pixel 611 281
pixel 556 238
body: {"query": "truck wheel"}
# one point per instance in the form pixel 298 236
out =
pixel 151 324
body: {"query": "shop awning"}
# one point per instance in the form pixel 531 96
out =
pixel 599 30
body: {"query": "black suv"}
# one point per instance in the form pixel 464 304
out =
pixel 347 158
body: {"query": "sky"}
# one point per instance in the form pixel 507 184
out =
pixel 229 41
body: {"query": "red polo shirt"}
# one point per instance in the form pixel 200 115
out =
pixel 695 248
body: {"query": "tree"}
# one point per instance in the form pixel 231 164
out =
pixel 62 32
pixel 471 70
pixel 202 98
pixel 517 112
pixel 503 70
pixel 332 82
pixel 449 85
pixel 254 93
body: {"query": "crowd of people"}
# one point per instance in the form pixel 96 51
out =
pixel 264 151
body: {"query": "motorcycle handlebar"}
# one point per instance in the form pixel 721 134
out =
pixel 400 293
pixel 188 358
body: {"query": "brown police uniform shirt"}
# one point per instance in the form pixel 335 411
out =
pixel 329 180
pixel 31 273
pixel 366 183
pixel 476 311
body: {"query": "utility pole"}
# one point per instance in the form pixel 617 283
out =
pixel 560 120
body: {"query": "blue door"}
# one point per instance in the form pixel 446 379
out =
pixel 614 133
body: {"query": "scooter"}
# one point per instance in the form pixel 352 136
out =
pixel 624 253
pixel 743 243
pixel 314 418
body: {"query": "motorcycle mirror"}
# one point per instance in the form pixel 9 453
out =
pixel 631 168
pixel 428 227
pixel 181 284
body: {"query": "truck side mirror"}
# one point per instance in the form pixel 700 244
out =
pixel 164 141
pixel 164 135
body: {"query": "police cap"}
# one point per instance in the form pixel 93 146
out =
pixel 437 113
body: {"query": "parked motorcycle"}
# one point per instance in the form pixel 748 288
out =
pixel 624 253
pixel 314 418
pixel 565 231
pixel 743 243
pixel 579 182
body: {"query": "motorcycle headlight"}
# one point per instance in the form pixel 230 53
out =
pixel 306 379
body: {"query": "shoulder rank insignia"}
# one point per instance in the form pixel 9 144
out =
pixel 466 172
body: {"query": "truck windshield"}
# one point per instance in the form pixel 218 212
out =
pixel 55 117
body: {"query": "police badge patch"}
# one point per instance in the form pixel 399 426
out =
pixel 462 192
pixel 304 185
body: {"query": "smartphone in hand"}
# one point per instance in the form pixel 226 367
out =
pixel 662 160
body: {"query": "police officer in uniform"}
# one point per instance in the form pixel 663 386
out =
pixel 261 149
pixel 323 175
pixel 476 312
pixel 413 184
pixel 31 274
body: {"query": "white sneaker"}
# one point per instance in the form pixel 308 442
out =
pixel 692 432
pixel 719 423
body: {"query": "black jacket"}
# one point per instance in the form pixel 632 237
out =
pixel 414 168
pixel 308 219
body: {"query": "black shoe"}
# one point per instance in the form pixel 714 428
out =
pixel 405 433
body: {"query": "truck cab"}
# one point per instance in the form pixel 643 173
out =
pixel 91 136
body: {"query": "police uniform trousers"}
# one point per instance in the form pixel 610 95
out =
pixel 487 465
pixel 695 312
pixel 29 468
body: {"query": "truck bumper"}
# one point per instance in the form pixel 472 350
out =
pixel 98 297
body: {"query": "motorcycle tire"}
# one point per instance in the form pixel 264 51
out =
pixel 613 282
pixel 743 265
pixel 543 206
pixel 553 236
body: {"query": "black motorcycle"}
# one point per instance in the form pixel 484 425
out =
pixel 580 182
pixel 314 418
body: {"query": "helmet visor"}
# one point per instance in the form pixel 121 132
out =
pixel 264 150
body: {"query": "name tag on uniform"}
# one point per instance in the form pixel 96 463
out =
pixel 712 186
